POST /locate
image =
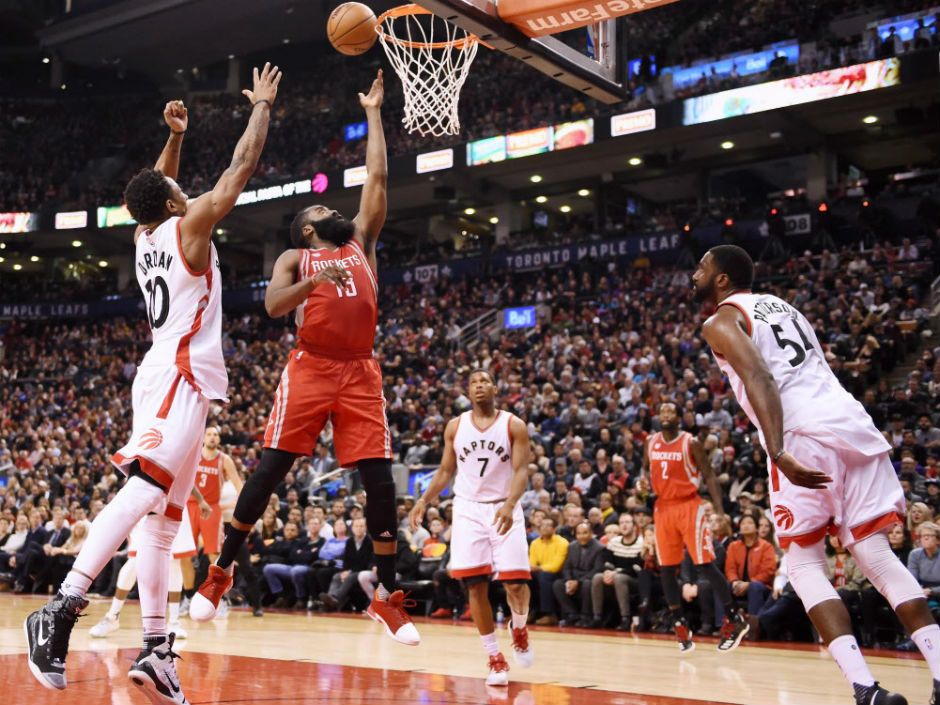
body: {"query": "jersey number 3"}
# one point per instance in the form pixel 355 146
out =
pixel 785 343
pixel 158 301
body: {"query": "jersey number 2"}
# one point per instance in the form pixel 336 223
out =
pixel 665 468
pixel 158 301
pixel 785 343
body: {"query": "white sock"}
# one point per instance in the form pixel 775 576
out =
pixel 153 571
pixel 174 612
pixel 845 651
pixel 116 606
pixel 108 531
pixel 928 641
pixel 490 645
pixel 519 620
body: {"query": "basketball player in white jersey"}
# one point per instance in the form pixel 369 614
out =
pixel 178 272
pixel 488 449
pixel 806 420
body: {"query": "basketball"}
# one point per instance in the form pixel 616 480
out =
pixel 351 28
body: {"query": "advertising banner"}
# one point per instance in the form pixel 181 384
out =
pixel 18 222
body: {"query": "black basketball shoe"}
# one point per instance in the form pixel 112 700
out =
pixel 154 672
pixel 876 695
pixel 47 636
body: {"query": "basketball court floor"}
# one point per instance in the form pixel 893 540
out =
pixel 293 659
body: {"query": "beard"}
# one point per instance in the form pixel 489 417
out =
pixel 335 229
pixel 704 292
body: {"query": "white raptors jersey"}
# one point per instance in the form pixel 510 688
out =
pixel 184 309
pixel 484 458
pixel 812 398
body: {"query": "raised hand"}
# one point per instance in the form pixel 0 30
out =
pixel 265 84
pixel 376 93
pixel 176 116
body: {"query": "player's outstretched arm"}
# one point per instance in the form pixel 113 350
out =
pixel 521 453
pixel 711 480
pixel 726 337
pixel 285 292
pixel 176 117
pixel 442 477
pixel 373 204
pixel 211 207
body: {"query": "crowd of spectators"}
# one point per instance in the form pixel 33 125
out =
pixel 612 344
pixel 88 147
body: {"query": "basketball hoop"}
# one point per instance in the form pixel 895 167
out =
pixel 432 58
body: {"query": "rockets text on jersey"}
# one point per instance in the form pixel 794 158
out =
pixel 209 478
pixel 672 467
pixel 484 458
pixel 184 309
pixel 810 393
pixel 338 321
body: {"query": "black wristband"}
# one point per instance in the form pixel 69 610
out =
pixel 181 132
pixel 259 102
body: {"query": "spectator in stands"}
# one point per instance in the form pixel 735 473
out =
pixel 572 589
pixel 750 566
pixel 924 562
pixel 289 560
pixel 356 558
pixel 30 554
pixel 329 562
pixel 649 581
pixel 14 543
pixel 547 556
pixel 622 562
pixel 61 557
pixel 536 495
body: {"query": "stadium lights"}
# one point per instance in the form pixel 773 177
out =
pixel 727 144
pixel 76 243
pixel 2 260
pixel 535 179
pixel 584 193
pixel 102 263
pixel 686 228
pixel 469 211
pixel 866 203
pixel 220 231
pixel 62 87
pixel 823 207
pixel 3 246
pixel 729 222
pixel 45 59
pixel 494 220
pixel 541 199
pixel 17 267
pixel 34 258
pixel 231 56
pixel 773 211
pixel 635 161
pixel 870 119
pixel 565 209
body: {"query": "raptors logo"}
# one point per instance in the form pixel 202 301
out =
pixel 783 516
pixel 151 439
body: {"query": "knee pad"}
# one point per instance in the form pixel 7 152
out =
pixel 381 514
pixel 885 571
pixel 159 532
pixel 127 575
pixel 809 574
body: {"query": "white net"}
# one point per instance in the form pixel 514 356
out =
pixel 432 57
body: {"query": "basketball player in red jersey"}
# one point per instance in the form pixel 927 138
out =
pixel 215 467
pixel 676 464
pixel 329 279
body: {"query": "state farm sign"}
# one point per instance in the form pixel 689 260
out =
pixel 537 19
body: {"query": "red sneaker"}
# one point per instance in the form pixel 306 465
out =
pixel 521 651
pixel 467 615
pixel 391 614
pixel 499 671
pixel 205 602
pixel 440 613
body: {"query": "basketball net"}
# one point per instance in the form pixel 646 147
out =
pixel 432 57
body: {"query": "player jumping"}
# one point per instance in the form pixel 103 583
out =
pixel 329 279
pixel 178 272
pixel 806 420
pixel 676 463
pixel 488 449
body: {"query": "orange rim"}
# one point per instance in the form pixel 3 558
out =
pixel 411 10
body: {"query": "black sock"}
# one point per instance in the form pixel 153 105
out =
pixel 234 538
pixel 671 586
pixel 721 586
pixel 385 567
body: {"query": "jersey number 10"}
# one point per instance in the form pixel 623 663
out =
pixel 158 301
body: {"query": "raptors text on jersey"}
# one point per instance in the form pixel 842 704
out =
pixel 484 458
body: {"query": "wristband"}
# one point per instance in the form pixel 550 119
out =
pixel 181 132
pixel 259 102
pixel 778 455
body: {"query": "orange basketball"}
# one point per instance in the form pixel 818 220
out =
pixel 351 28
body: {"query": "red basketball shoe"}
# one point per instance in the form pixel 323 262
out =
pixel 205 602
pixel 391 614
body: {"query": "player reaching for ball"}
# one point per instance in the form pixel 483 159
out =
pixel 488 450
pixel 329 280
pixel 806 420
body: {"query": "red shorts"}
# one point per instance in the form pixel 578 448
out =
pixel 682 524
pixel 210 529
pixel 314 390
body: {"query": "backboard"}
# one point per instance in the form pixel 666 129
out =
pixel 528 31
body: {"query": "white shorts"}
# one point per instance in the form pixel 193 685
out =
pixel 168 427
pixel 864 497
pixel 183 544
pixel 477 549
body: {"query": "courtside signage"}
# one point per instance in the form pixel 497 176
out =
pixel 113 216
pixel 554 16
pixel 355 176
pixel 631 123
pixel 435 161
pixel 529 142
pixel 271 193
pixel 798 90
pixel 71 220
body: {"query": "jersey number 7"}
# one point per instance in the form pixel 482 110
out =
pixel 483 463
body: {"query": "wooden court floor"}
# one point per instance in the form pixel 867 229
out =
pixel 294 659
